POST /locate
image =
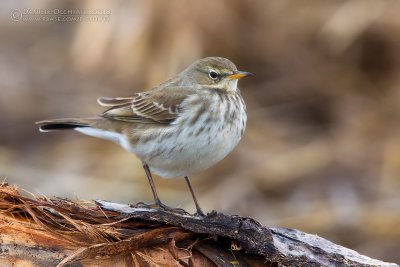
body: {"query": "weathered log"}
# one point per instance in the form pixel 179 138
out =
pixel 60 232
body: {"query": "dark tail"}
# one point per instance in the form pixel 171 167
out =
pixel 62 124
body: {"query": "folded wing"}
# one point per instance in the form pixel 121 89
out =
pixel 158 106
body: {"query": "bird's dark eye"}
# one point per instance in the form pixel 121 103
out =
pixel 213 75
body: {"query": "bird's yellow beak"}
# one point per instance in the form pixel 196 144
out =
pixel 239 75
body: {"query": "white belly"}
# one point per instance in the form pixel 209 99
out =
pixel 187 154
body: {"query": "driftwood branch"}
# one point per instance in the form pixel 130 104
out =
pixel 59 232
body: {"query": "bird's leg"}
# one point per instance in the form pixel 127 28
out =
pixel 153 187
pixel 199 211
pixel 157 200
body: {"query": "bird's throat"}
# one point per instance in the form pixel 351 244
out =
pixel 232 86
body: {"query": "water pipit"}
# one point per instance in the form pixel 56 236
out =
pixel 180 127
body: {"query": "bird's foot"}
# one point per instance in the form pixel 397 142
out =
pixel 164 207
pixel 200 213
pixel 161 206
pixel 142 205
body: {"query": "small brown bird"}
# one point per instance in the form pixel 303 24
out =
pixel 183 126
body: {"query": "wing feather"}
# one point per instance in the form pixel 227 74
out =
pixel 157 106
pixel 110 101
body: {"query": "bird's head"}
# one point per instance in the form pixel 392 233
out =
pixel 214 73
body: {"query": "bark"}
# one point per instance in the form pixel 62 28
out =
pixel 59 232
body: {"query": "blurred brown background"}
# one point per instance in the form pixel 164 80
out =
pixel 322 149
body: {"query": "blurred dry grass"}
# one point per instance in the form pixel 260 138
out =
pixel 322 148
